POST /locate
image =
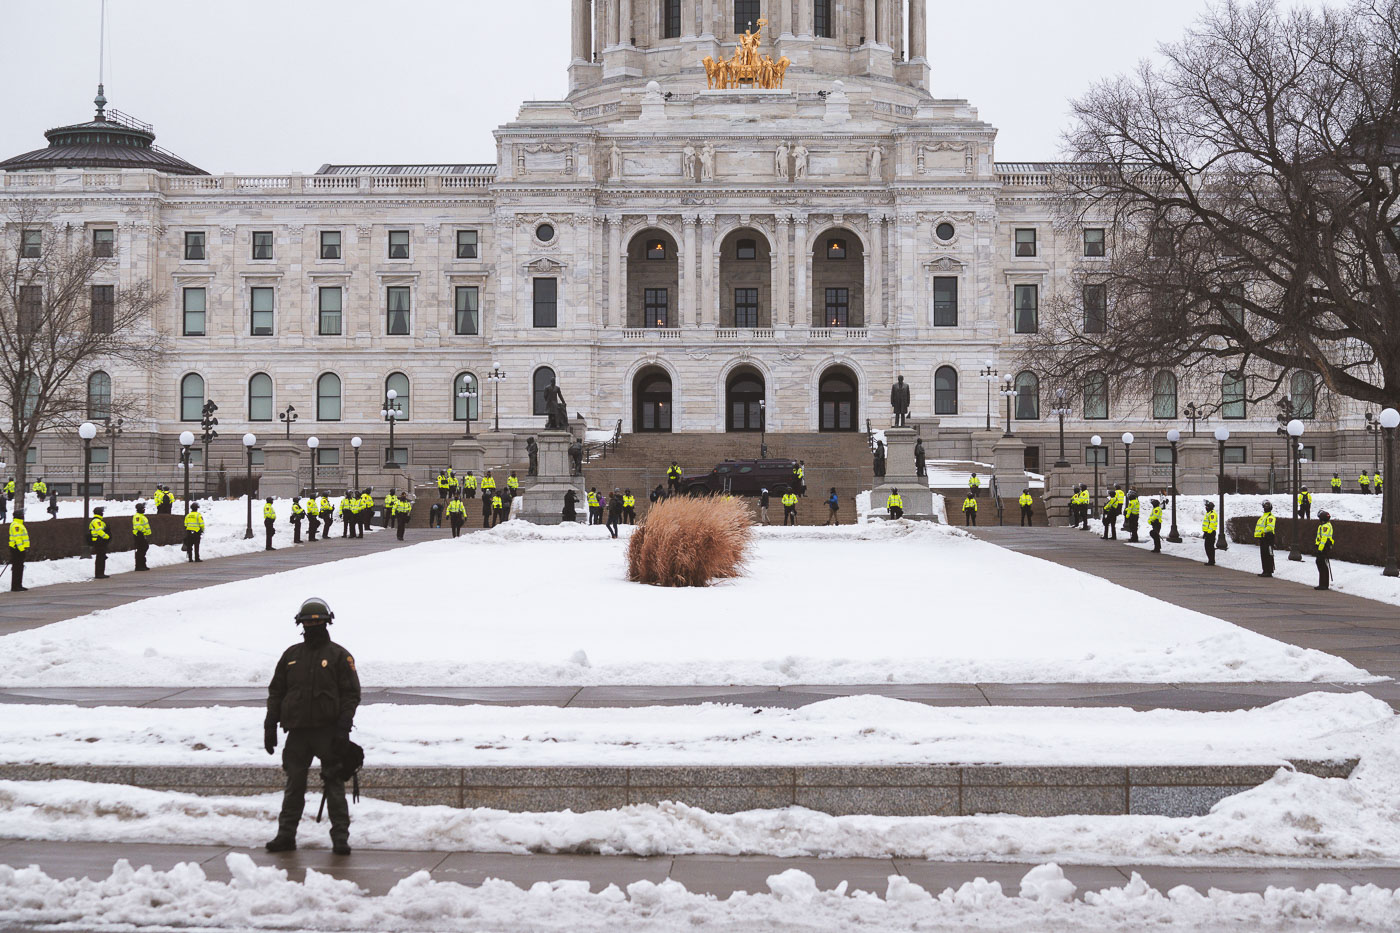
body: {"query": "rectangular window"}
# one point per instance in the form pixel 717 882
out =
pixel 466 310
pixel 821 18
pixel 745 307
pixel 330 305
pixel 262 244
pixel 31 308
pixel 1232 397
pixel 1025 241
pixel 656 305
pixel 104 308
pixel 1096 309
pixel 945 301
pixel 1232 312
pixel 260 303
pixel 398 306
pixel 193 308
pixel 99 456
pixel 258 458
pixel 1094 243
pixel 1308 453
pixel 838 307
pixel 31 244
pixel 466 244
pixel 328 456
pixel 330 244
pixel 1027 309
pixel 104 243
pixel 1236 455
pixel 31 456
pixel 194 246
pixel 398 244
pixel 546 297
pixel 745 15
pixel 397 455
pixel 671 27
pixel 1159 245
pixel 1162 455
pixel 1095 396
pixel 1093 455
pixel 746 249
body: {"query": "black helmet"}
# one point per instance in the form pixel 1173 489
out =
pixel 314 611
pixel 1268 506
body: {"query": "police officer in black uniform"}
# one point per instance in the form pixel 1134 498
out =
pixel 314 694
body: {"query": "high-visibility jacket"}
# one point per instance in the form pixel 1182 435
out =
pixel 19 535
pixel 1210 524
pixel 496 502
pixel 469 481
pixel 629 502
pixel 269 511
pixel 1336 483
pixel 194 521
pixel 367 502
pixel 800 472
pixel 1155 517
pixel 313 508
pixel 969 504
pixel 1324 536
pixel 593 500
pixel 140 525
pixel 442 482
pixel 1304 498
pixel 895 501
pixel 512 482
pixel 455 507
pixel 389 500
pixel 97 530
pixel 402 506
pixel 1265 525
pixel 346 506
pixel 297 511
pixel 161 497
pixel 1025 499
pixel 1117 500
pixel 789 499
pixel 1364 480
pixel 10 488
pixel 40 488
pixel 327 508
pixel 488 482
pixel 974 482
pixel 674 472
pixel 1377 482
pixel 1134 507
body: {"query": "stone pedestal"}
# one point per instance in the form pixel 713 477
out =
pixel 900 474
pixel 578 427
pixel 1009 466
pixel 542 501
pixel 497 449
pixel 466 456
pixel 1196 465
pixel 984 445
pixel 280 471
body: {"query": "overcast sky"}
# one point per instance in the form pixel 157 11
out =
pixel 285 85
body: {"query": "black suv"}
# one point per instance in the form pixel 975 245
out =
pixel 746 478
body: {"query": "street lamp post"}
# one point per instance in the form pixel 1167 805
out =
pixel 468 394
pixel 391 412
pixel 287 417
pixel 1295 469
pixel 1128 460
pixel 989 376
pixel 1174 438
pixel 87 431
pixel 1010 392
pixel 1389 421
pixel 1061 409
pixel 496 376
pixel 1222 540
pixel 355 443
pixel 1096 443
pixel 113 430
pixel 312 443
pixel 248 441
pixel 186 442
pixel 206 423
pixel 1193 413
pixel 763 428
pixel 1373 428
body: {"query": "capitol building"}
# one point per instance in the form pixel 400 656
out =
pixel 762 240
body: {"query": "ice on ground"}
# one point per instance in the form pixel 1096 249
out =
pixel 857 730
pixel 896 602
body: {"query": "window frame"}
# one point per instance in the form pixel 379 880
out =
pixel 106 249
pixel 324 458
pixel 1032 289
pixel 29 317
pixel 322 397
pixel 822 26
pixel 390 312
pixel 650 303
pixel 186 292
pixel 187 415
pixel 942 306
pixel 837 304
pixel 652 253
pixel 1236 454
pixel 671 19
pixel 466 250
pixel 270 293
pixel 1306 410
pixel 262 241
pixel 1034 383
pixel 1093 454
pixel 1089 244
pixel 31 243
pixel 1239 396
pixel 102 313
pixel 1095 394
pixel 1095 314
pixel 196 241
pixel 406 245
pixel 746 245
pixel 474 312
pixel 405 393
pixel 322 246
pixel 103 410
pixel 940 395
pixel 740 25
pixel 254 402
pixel 747 305
pixel 1158 395
pixel 544 301
pixel 322 311
pixel 471 405
pixel 836 249
pixel 1025 249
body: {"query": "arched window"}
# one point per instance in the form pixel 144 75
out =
pixel 462 407
pixel 1027 396
pixel 399 383
pixel 945 391
pixel 1095 396
pixel 191 397
pixel 542 378
pixel 99 396
pixel 1302 391
pixel 260 397
pixel 1164 395
pixel 328 397
pixel 1232 396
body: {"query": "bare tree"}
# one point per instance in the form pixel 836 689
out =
pixel 61 319
pixel 1247 190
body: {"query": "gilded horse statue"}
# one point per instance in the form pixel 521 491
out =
pixel 746 67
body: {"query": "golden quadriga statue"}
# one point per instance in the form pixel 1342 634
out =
pixel 746 68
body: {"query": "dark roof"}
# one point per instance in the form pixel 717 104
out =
pixel 110 140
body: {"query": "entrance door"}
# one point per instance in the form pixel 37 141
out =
pixel 837 395
pixel 744 402
pixel 653 411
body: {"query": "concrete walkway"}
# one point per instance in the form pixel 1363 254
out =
pixel 721 875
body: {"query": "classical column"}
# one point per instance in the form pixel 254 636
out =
pixel 897 28
pixel 615 310
pixel 902 235
pixel 918 29
pixel 582 40
pixel 624 22
pixel 612 22
pixel 801 300
pixel 777 22
pixel 600 28
pixel 686 307
pixel 870 21
pixel 707 17
pixel 782 295
pixel 875 307
pixel 804 12
pixel 709 301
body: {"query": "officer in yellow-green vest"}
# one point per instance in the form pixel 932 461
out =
pixel 1210 526
pixel 673 478
pixel 99 539
pixel 1264 534
pixel 1324 544
pixel 595 507
pixel 974 486
pixel 1154 526
pixel 1305 504
pixel 313 516
pixel 298 516
pixel 469 485
pixel 970 509
pixel 894 504
pixel 194 531
pixel 443 485
pixel 1132 514
pixel 1112 508
pixel 1364 481
pixel 789 508
pixel 327 516
pixel 1336 482
pixel 401 509
pixel 1027 504
pixel 512 485
pixel 456 515
pixel 19 544
pixel 269 521
pixel 629 507
pixel 141 534
pixel 498 508
pixel 488 485
pixel 41 488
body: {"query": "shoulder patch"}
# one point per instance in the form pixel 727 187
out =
pixel 349 659
pixel 291 662
pixel 324 662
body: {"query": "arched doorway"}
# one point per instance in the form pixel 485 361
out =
pixel 745 280
pixel 838 279
pixel 651 400
pixel 743 400
pixel 836 398
pixel 653 280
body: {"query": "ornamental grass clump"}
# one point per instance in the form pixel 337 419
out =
pixel 689 542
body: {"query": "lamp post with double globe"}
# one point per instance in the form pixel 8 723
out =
pixel 1295 470
pixel 186 442
pixel 1174 438
pixel 391 412
pixel 312 443
pixel 989 376
pixel 1389 421
pixel 1222 540
pixel 1008 390
pixel 1128 461
pixel 87 431
pixel 355 443
pixel 1061 409
pixel 248 441
pixel 1096 443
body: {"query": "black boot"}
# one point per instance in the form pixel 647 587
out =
pixel 339 846
pixel 281 843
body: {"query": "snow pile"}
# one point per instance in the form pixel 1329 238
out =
pixel 859 730
pixel 263 898
pixel 914 589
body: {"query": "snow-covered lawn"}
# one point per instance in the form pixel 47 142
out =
pixel 1357 579
pixel 866 730
pixel 263 898
pixel 897 602
pixel 226 521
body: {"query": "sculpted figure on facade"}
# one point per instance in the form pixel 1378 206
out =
pixel 707 163
pixel 614 162
pixel 877 158
pixel 799 162
pixel 688 163
pixel 780 161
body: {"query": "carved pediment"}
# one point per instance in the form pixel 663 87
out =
pixel 944 264
pixel 544 266
pixel 944 157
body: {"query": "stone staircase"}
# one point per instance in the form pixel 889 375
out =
pixel 987 510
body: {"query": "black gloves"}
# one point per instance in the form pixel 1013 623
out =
pixel 340 744
pixel 270 736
